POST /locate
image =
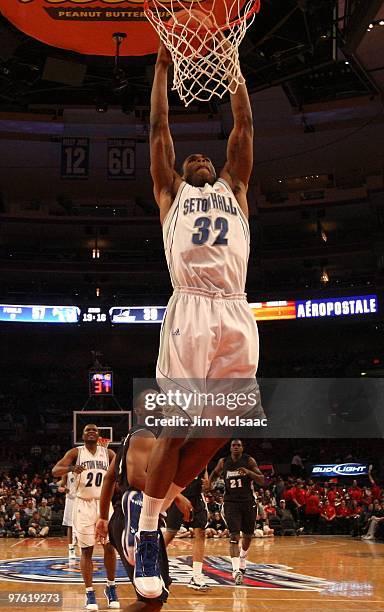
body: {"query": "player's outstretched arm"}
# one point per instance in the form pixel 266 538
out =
pixel 239 164
pixel 161 143
pixel 66 464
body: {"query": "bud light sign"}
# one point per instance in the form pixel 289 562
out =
pixel 340 469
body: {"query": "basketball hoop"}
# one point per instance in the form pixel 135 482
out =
pixel 103 442
pixel 203 38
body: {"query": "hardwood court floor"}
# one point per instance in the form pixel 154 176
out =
pixel 292 573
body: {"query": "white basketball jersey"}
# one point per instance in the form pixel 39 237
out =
pixel 89 482
pixel 206 239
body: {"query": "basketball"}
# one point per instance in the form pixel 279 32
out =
pixel 192 37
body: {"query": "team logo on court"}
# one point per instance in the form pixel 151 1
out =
pixel 217 572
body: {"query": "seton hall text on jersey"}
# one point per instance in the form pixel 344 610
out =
pixel 204 205
pixel 94 465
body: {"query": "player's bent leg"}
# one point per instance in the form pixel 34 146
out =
pixel 162 467
pixel 161 471
pixel 110 567
pixel 194 456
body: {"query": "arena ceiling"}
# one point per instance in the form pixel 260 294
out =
pixel 311 47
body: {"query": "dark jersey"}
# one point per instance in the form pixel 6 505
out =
pixel 237 487
pixel 121 476
pixel 195 488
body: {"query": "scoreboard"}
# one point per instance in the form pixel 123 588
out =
pixel 137 314
pixel 325 308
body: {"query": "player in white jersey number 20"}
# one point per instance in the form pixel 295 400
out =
pixel 89 464
pixel 209 333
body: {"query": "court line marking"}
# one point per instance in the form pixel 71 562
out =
pixel 17 543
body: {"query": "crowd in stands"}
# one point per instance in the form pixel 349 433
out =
pixel 32 506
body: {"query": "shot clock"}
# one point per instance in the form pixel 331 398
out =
pixel 100 382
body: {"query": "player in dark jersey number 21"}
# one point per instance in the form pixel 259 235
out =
pixel 239 471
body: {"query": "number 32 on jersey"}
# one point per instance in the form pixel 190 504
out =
pixel 206 227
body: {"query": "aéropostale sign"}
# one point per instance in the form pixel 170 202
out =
pixel 85 26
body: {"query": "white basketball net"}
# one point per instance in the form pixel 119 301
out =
pixel 205 52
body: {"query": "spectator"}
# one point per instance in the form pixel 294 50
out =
pixel 298 498
pixel 297 465
pixel 291 504
pixel 3 531
pixel 376 492
pixel 216 527
pixel 376 518
pixel 355 492
pixel 30 508
pixel 328 517
pixel 16 527
pixel 37 526
pixel 45 511
pixel 312 511
pixel 356 516
pixel 343 517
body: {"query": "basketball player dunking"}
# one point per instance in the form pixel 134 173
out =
pixel 209 331
pixel 90 463
pixel 239 471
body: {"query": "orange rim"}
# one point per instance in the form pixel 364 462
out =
pixel 171 28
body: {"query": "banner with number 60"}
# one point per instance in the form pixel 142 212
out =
pixel 121 163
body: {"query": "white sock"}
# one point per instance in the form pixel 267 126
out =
pixel 170 496
pixel 197 569
pixel 235 563
pixel 71 546
pixel 110 582
pixel 149 516
pixel 88 589
pixel 243 553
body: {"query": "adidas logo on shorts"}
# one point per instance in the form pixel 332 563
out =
pixel 176 332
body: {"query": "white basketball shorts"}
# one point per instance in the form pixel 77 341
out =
pixel 209 342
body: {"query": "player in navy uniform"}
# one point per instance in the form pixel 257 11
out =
pixel 198 522
pixel 239 471
pixel 209 333
pixel 123 484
